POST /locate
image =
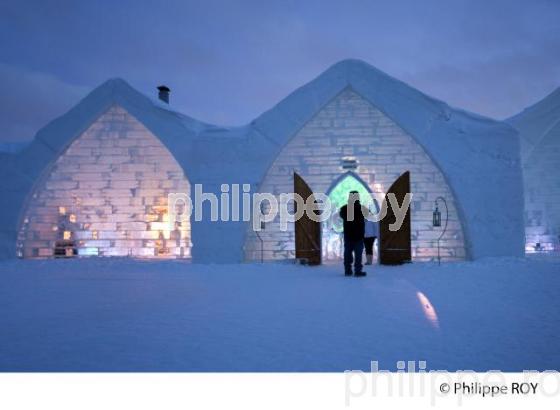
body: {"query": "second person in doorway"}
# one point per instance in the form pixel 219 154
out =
pixel 371 233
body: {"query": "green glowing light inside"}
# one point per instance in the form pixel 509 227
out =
pixel 339 195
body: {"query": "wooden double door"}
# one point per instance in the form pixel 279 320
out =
pixel 394 246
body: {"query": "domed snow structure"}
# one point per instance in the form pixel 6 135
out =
pixel 106 195
pixel 539 130
pixel 95 181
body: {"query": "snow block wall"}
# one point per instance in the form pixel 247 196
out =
pixel 13 189
pixel 388 126
pixel 542 194
pixel 349 126
pixel 107 196
pixel 539 127
pixel 478 156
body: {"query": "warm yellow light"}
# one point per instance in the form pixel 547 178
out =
pixel 152 218
pixel 112 222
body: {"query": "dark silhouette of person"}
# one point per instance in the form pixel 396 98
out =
pixel 371 234
pixel 353 219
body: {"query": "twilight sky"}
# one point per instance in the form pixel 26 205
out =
pixel 228 61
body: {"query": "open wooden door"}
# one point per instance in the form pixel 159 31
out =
pixel 395 247
pixel 307 231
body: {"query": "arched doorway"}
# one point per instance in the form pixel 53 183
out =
pixel 332 243
pixel 382 151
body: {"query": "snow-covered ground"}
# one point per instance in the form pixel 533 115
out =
pixel 125 315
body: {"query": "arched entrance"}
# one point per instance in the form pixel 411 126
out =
pixel 382 152
pixel 332 243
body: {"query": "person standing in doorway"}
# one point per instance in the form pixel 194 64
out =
pixel 353 217
pixel 370 235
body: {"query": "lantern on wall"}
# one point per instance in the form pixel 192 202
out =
pixel 437 216
pixel 349 164
pixel 436 221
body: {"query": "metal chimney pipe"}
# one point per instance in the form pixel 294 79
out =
pixel 163 94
